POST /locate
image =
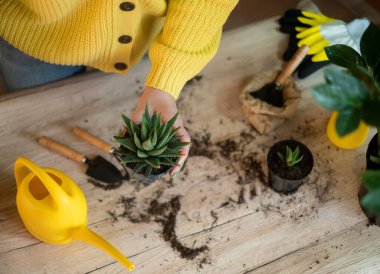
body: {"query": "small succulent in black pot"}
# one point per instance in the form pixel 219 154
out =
pixel 289 162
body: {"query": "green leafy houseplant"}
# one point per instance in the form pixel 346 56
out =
pixel 291 158
pixel 371 201
pixel 151 148
pixel 354 92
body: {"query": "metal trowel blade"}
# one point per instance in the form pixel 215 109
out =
pixel 104 172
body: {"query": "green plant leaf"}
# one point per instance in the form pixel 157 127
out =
pixel 178 145
pixel 289 155
pixel 374 159
pixel 370 113
pixel 297 160
pixel 371 179
pixel 147 115
pixel 296 153
pixel 371 201
pixel 281 156
pixel 148 171
pixel 344 56
pixel 147 145
pixel 129 123
pixel 131 158
pixel 137 141
pixel 153 162
pixel 169 153
pixel 332 97
pixel 348 121
pixel 126 142
pixel 167 162
pixel 154 138
pixel 367 78
pixel 376 74
pixel 157 151
pixel 142 154
pixel 172 120
pixel 370 45
pixel 139 167
pixel 144 128
pixel 352 87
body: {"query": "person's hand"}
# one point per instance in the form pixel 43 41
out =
pixel 165 104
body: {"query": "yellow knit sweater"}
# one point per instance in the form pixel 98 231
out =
pixel 113 35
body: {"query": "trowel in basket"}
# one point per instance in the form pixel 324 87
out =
pixel 101 171
pixel 272 92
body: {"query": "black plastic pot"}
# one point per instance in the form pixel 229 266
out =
pixel 147 180
pixel 282 178
pixel 371 150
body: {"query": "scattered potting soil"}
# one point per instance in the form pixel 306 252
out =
pixel 197 78
pixel 227 147
pixel 165 214
pixel 201 146
pixel 242 161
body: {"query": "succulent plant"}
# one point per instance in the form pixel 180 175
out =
pixel 291 158
pixel 149 146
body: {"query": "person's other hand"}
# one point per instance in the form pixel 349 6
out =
pixel 165 104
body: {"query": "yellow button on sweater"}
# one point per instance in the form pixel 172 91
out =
pixel 113 35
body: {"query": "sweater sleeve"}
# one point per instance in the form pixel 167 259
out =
pixel 47 11
pixel 189 39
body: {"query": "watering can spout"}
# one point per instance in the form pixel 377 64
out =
pixel 90 237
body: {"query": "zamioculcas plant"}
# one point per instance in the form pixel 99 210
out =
pixel 151 148
pixel 371 200
pixel 355 92
pixel 291 158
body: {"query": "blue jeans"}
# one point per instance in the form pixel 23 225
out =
pixel 19 70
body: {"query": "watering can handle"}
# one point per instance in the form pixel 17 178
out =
pixel 24 166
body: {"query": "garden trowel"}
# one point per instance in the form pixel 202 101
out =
pixel 99 169
pixel 97 142
pixel 272 92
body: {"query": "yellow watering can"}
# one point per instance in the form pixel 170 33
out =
pixel 54 209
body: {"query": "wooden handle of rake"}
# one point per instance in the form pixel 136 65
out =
pixel 61 149
pixel 91 139
pixel 292 65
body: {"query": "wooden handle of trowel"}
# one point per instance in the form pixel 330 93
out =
pixel 292 65
pixel 61 149
pixel 91 139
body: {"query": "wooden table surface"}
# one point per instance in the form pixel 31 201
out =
pixel 245 225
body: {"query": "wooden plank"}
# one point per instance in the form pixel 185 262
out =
pixel 246 235
pixel 353 250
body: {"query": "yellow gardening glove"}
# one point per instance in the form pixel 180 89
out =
pixel 318 37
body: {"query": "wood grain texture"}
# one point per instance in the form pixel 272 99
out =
pixel 269 231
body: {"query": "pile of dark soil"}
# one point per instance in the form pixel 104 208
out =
pixel 163 213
